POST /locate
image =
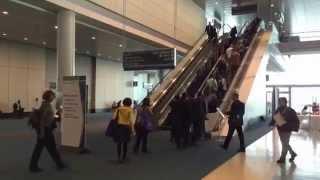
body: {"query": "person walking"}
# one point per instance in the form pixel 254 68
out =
pixel 290 123
pixel 235 122
pixel 124 116
pixel 143 126
pixel 45 136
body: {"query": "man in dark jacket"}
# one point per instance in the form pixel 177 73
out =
pixel 292 123
pixel 235 122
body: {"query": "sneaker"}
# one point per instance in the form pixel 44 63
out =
pixel 35 170
pixel 293 157
pixel 281 161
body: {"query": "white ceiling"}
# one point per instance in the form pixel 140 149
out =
pixel 37 24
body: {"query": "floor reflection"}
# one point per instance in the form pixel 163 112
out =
pixel 259 162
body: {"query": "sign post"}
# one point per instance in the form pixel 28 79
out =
pixel 73 123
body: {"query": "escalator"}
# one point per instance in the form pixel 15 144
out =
pixel 178 78
pixel 245 76
pixel 191 75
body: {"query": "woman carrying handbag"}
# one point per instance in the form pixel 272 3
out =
pixel 123 117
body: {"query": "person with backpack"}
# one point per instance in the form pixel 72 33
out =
pixel 43 121
pixel 290 123
pixel 143 126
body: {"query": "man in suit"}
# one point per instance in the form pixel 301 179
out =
pixel 285 130
pixel 235 122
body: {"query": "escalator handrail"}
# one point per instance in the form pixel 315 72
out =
pixel 163 78
pixel 168 81
pixel 190 75
pixel 237 80
pixel 212 71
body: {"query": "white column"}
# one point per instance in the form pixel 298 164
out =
pixel 65 46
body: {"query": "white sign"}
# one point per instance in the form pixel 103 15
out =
pixel 73 118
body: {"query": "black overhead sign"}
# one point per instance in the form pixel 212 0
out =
pixel 149 60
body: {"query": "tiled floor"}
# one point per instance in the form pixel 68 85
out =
pixel 258 163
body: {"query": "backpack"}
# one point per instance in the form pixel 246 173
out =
pixel 34 119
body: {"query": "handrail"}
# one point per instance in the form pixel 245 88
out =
pixel 237 79
pixel 190 75
pixel 172 76
pixel 212 71
pixel 160 81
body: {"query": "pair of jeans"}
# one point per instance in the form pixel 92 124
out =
pixel 48 141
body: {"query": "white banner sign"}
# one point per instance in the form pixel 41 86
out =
pixel 73 118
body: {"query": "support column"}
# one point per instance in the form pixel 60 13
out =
pixel 65 46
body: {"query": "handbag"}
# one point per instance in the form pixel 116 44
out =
pixel 112 127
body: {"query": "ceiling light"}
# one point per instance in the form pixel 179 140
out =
pixel 93 38
pixel 56 27
pixel 5 12
pixel 99 54
pixel 217 3
pixel 25 38
pixel 44 43
pixel 120 45
pixel 119 59
pixel 4 34
pixel 272 5
pixel 88 52
pixel 275 13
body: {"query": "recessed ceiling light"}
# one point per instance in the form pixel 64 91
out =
pixel 275 13
pixel 120 45
pixel 217 3
pixel 4 34
pixel 25 38
pixel 44 43
pixel 93 38
pixel 5 12
pixel 99 54
pixel 56 27
pixel 88 52
pixel 272 5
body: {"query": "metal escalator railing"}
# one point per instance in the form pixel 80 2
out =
pixel 238 78
pixel 161 88
pixel 179 84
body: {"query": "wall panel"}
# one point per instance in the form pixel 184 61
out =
pixel 111 83
pixel 183 20
pixel 4 88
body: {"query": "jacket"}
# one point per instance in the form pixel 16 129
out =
pixel 236 113
pixel 291 118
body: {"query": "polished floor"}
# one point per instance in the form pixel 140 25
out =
pixel 259 161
